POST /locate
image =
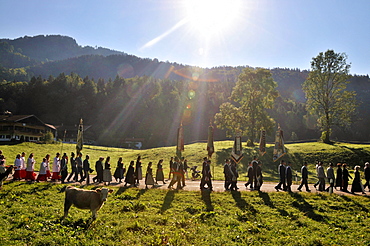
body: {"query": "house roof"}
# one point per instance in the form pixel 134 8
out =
pixel 18 118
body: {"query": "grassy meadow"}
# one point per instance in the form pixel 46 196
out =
pixel 31 213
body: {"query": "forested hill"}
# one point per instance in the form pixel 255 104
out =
pixel 53 47
pixel 123 95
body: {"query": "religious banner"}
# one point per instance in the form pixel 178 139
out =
pixel 180 141
pixel 210 145
pixel 79 137
pixel 279 149
pixel 262 146
pixel 237 152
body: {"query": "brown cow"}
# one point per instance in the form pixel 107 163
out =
pixel 85 199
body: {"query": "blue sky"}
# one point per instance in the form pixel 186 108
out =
pixel 259 33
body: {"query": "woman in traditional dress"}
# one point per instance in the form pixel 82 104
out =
pixel 17 168
pixel 42 172
pixel 120 171
pixel 107 175
pixel 130 175
pixel 30 175
pixel 138 170
pixel 149 180
pixel 159 176
pixel 339 180
pixel 356 184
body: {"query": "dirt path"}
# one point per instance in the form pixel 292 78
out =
pixel 218 186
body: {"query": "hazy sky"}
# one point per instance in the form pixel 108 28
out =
pixel 259 33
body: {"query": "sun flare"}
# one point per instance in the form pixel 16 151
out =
pixel 209 17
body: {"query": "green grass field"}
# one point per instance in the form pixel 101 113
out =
pixel 31 213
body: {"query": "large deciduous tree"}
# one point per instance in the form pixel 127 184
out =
pixel 326 92
pixel 254 92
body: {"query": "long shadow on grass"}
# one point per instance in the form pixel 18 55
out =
pixel 242 203
pixel 170 195
pixel 121 190
pixel 359 205
pixel 206 197
pixel 302 205
pixel 140 193
pixel 267 200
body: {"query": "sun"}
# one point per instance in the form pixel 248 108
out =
pixel 208 17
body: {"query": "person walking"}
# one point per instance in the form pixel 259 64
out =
pixel 282 173
pixel 250 175
pixel 86 168
pixel 206 176
pixel 304 180
pixel 367 176
pixel 17 168
pixel 30 175
pixel 42 172
pixel 99 170
pixel 64 167
pixel 138 171
pixel 23 166
pixel 321 175
pixel 107 175
pixel 234 176
pixel 289 177
pixel 119 172
pixel 159 176
pixel 56 168
pixel 259 176
pixel 171 169
pixel 74 172
pixel 331 178
pixel 149 180
pixel 176 175
pixel 130 175
pixel 356 184
pixel 339 180
pixel 227 174
pixel 345 177
pixel 79 165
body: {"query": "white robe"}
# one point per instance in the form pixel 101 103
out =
pixel 56 165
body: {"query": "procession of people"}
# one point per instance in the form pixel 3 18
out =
pixel 70 169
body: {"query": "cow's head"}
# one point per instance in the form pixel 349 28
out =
pixel 104 193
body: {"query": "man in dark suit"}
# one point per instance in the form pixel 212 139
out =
pixel 281 176
pixel 304 180
pixel 289 177
pixel 227 174
pixel 206 176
